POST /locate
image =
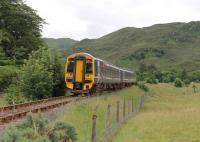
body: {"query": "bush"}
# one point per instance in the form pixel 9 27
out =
pixel 152 80
pixel 14 95
pixel 143 87
pixel 64 132
pixel 7 73
pixel 12 135
pixel 178 82
pixel 186 81
pixel 195 76
pixel 42 76
pixel 37 129
pixel 35 80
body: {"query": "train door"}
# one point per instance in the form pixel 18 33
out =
pixel 79 71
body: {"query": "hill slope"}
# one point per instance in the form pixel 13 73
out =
pixel 60 42
pixel 60 45
pixel 168 46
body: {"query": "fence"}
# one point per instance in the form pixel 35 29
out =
pixel 115 115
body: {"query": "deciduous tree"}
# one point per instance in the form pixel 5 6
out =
pixel 20 28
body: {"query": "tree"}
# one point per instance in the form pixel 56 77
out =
pixel 169 76
pixel 142 68
pixel 58 76
pixel 183 75
pixel 20 26
pixel 178 82
pixel 36 77
pixel 195 76
pixel 41 76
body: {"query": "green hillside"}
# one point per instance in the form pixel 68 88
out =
pixel 60 43
pixel 168 46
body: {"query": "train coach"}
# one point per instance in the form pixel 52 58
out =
pixel 86 74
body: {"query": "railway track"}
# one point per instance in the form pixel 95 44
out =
pixel 15 112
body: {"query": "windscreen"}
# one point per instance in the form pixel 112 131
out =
pixel 70 67
pixel 88 68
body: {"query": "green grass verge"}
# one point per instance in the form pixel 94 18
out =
pixel 170 115
pixel 79 114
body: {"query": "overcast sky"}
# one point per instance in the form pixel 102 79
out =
pixel 80 19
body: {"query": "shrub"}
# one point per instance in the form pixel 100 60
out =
pixel 186 81
pixel 35 80
pixel 14 95
pixel 11 135
pixel 195 76
pixel 178 82
pixel 143 87
pixel 36 128
pixel 7 73
pixel 152 80
pixel 64 132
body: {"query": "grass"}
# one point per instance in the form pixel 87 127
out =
pixel 170 115
pixel 80 113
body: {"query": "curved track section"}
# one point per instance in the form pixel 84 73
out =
pixel 14 112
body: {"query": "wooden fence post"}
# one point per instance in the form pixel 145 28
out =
pixel 132 105
pixel 140 103
pixel 108 120
pixel 117 113
pixel 94 117
pixel 108 112
pixel 124 108
pixel 128 108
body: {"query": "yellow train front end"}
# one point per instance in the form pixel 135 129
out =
pixel 80 73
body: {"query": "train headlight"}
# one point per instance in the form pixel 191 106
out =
pixel 69 80
pixel 69 75
pixel 88 77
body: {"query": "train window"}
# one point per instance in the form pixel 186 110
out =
pixel 88 68
pixel 70 67
pixel 96 67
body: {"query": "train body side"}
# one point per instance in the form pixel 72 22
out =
pixel 106 73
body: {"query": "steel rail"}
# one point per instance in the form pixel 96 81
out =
pixel 14 112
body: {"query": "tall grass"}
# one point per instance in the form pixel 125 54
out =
pixel 170 115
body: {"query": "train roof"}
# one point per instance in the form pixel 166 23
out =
pixel 122 69
pixel 87 54
pixel 82 53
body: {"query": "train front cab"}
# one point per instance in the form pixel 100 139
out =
pixel 79 73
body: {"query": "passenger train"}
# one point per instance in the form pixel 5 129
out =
pixel 86 74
